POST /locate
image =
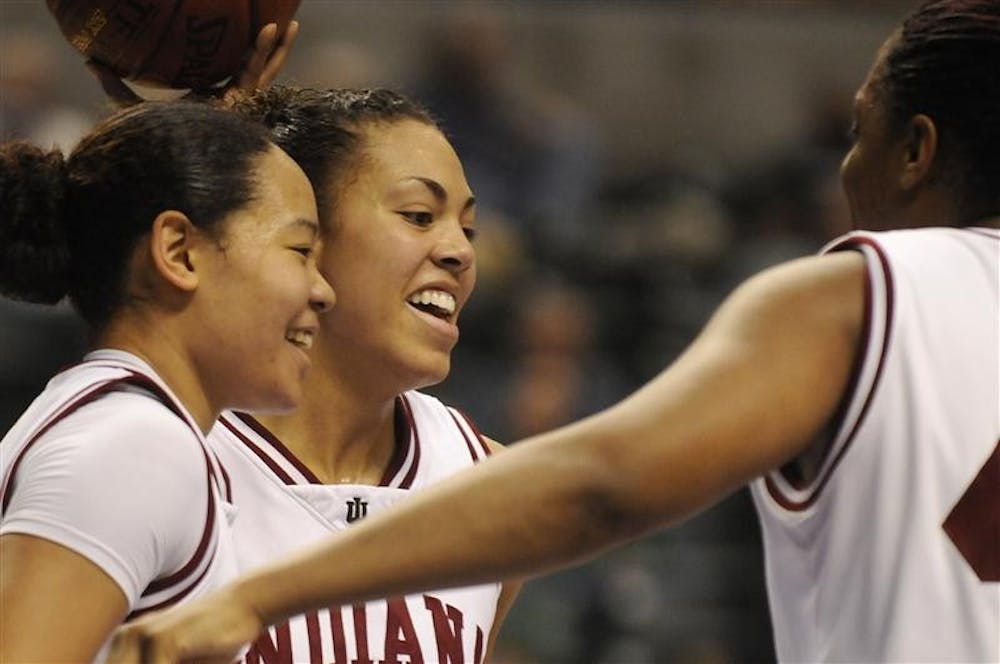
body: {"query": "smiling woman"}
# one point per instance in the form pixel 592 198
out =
pixel 184 237
pixel 397 219
pixel 856 391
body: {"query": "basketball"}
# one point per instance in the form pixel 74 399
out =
pixel 171 43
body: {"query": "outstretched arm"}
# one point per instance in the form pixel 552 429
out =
pixel 511 587
pixel 763 378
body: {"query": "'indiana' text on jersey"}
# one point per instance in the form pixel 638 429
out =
pixel 283 506
pixel 383 633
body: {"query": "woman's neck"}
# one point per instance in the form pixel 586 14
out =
pixel 342 436
pixel 161 350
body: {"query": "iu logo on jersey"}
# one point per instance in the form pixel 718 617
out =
pixel 356 509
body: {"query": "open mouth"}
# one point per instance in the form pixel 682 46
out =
pixel 301 338
pixel 437 303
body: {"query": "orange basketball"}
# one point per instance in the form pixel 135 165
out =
pixel 173 43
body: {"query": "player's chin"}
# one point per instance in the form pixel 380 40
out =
pixel 432 369
pixel 281 399
pixel 282 391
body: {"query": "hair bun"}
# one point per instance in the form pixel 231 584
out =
pixel 34 252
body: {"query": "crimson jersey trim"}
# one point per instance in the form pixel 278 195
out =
pixel 484 449
pixel 411 473
pixel 397 465
pixel 197 559
pixel 307 475
pixel 815 489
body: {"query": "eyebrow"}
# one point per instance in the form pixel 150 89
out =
pixel 439 193
pixel 310 224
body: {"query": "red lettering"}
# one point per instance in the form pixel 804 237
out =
pixel 264 650
pixel 400 637
pixel 361 635
pixel 339 641
pixel 447 630
pixel 315 639
pixel 478 653
pixel 974 523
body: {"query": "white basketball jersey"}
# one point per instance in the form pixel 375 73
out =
pixel 284 507
pixel 115 402
pixel 893 553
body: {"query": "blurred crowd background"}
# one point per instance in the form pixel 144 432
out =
pixel 633 161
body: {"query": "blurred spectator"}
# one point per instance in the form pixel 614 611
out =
pixel 530 154
pixel 558 371
pixel 30 104
pixel 775 213
pixel 549 369
pixel 792 204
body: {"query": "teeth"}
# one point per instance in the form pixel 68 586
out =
pixel 440 299
pixel 300 338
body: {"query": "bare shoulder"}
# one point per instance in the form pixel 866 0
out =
pixel 826 293
pixel 813 277
pixel 783 342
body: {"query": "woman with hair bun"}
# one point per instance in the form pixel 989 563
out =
pixel 856 392
pixel 185 240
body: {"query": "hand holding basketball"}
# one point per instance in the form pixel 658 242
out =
pixel 268 57
pixel 186 44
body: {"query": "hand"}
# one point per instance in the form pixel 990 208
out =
pixel 265 61
pixel 263 64
pixel 210 629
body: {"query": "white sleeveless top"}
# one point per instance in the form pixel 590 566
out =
pixel 893 553
pixel 283 507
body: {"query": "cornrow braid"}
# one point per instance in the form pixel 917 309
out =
pixel 945 63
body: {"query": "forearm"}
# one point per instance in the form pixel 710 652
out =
pixel 537 507
pixel 748 396
pixel 548 502
pixel 745 398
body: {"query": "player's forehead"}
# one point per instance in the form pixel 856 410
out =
pixel 405 138
pixel 873 88
pixel 871 93
pixel 282 199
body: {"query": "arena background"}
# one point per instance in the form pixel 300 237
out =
pixel 632 161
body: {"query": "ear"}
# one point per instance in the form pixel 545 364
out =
pixel 171 244
pixel 921 144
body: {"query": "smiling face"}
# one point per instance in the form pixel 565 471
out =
pixel 261 293
pixel 400 258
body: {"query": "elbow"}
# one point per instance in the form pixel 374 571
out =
pixel 611 518
pixel 610 509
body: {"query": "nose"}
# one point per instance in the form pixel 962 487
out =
pixel 455 252
pixel 321 296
